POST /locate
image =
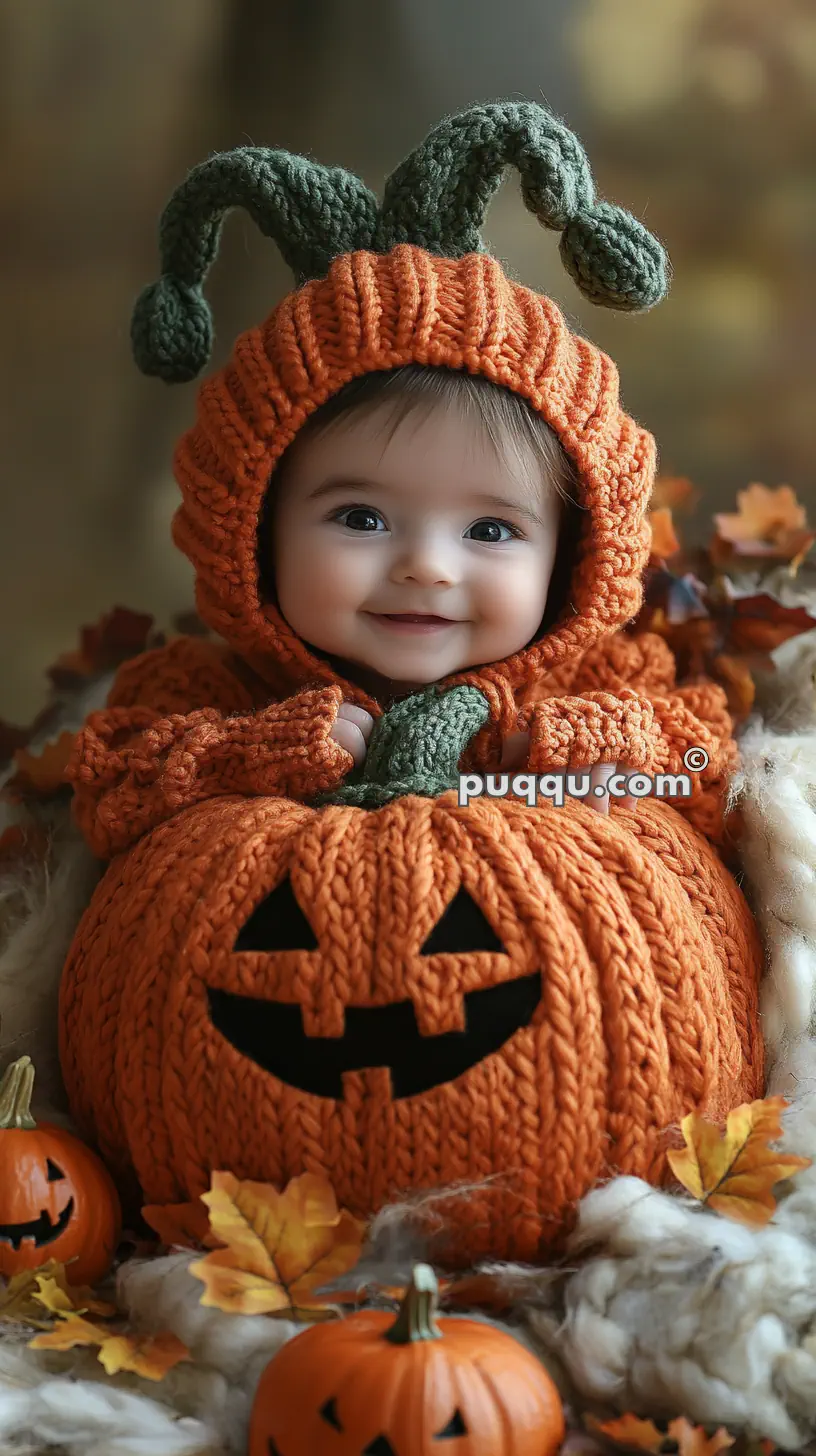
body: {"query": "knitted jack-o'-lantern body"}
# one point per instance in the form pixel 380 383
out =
pixel 406 996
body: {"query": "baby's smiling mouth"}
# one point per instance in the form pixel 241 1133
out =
pixel 416 620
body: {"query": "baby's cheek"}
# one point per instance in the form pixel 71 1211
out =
pixel 514 590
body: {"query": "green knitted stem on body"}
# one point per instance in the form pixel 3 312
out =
pixel 436 199
pixel 414 748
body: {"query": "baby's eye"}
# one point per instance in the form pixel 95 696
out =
pixel 489 530
pixel 361 518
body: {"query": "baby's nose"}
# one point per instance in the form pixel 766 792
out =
pixel 427 563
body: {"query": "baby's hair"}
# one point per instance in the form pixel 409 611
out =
pixel 512 426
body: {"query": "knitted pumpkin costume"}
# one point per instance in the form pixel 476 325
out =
pixel 289 966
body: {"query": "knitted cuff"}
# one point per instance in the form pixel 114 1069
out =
pixel 572 733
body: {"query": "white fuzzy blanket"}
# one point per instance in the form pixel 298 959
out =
pixel 665 1308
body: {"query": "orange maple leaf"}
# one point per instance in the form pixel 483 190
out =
pixel 734 675
pixel 673 492
pixel 42 772
pixel 150 1356
pixel 734 1172
pixel 280 1247
pixel 640 1435
pixel 184 1224
pixel 117 636
pixel 664 536
pixel 766 523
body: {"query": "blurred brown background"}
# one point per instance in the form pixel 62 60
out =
pixel 699 115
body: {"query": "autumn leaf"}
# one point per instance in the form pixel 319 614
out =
pixel 59 1298
pixel 19 1298
pixel 184 1224
pixel 673 492
pixel 478 1291
pixel 760 623
pixel 767 523
pixel 150 1356
pixel 734 675
pixel 664 541
pixel 42 773
pixel 280 1247
pixel 735 1172
pixel 640 1435
pixel 119 635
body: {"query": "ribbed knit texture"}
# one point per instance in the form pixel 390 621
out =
pixel 648 958
pixel 211 776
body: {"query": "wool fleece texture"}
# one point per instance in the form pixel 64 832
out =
pixel 647 952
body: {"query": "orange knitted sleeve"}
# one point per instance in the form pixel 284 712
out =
pixel 651 734
pixel 180 727
pixel 618 703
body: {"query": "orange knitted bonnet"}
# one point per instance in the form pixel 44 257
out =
pixel 384 285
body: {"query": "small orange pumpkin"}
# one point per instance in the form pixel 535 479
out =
pixel 367 1386
pixel 57 1201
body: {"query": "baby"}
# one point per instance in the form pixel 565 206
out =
pixel 411 476
pixel 383 557
pixel 413 473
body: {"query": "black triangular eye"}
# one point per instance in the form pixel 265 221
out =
pixel 455 1427
pixel 329 1413
pixel 380 1446
pixel 278 923
pixel 271 1447
pixel 462 927
pixel 55 1174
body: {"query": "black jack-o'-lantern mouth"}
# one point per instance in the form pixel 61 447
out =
pixel 271 1033
pixel 43 1230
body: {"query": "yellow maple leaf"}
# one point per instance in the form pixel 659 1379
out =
pixel 58 1297
pixel 734 1172
pixel 150 1356
pixel 639 1435
pixel 280 1247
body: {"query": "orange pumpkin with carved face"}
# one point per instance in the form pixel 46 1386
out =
pixel 57 1201
pixel 369 1385
pixel 404 996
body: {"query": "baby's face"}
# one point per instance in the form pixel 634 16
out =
pixel 416 553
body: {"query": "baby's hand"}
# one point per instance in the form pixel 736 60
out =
pixel 516 749
pixel 352 730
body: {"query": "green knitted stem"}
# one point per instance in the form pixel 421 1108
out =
pixel 438 198
pixel 415 748
pixel 313 213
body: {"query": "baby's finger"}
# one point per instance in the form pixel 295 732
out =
pixel 359 716
pixel 599 776
pixel 627 801
pixel 515 749
pixel 350 737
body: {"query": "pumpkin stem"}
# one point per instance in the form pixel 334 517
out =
pixel 415 748
pixel 16 1088
pixel 415 1320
